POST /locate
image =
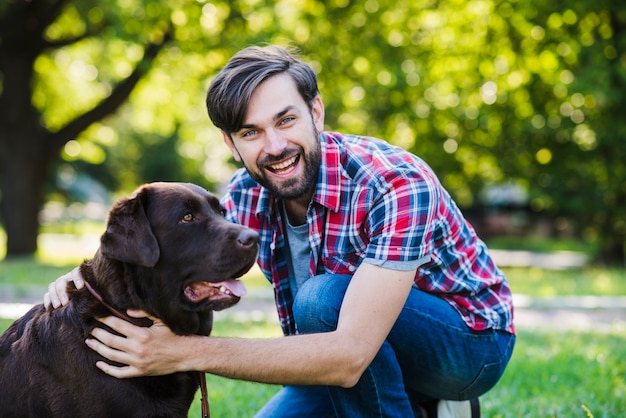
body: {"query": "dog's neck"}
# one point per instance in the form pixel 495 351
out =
pixel 136 321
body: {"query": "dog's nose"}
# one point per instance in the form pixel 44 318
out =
pixel 247 238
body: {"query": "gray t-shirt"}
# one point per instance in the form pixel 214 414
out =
pixel 300 256
pixel 299 253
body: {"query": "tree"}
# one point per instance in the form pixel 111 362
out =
pixel 494 91
pixel 566 136
pixel 29 146
pixel 486 91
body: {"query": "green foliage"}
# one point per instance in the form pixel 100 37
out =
pixel 485 91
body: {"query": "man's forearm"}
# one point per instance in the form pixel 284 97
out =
pixel 313 359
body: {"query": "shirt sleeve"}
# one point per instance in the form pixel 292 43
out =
pixel 401 219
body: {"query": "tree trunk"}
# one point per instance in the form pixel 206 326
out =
pixel 23 180
pixel 28 150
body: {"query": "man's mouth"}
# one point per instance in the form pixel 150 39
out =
pixel 284 166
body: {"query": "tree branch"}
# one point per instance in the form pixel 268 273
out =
pixel 117 97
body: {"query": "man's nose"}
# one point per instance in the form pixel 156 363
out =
pixel 275 142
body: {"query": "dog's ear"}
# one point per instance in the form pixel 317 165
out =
pixel 128 236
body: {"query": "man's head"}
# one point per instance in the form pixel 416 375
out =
pixel 267 104
pixel 230 92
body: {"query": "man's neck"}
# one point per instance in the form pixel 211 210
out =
pixel 297 208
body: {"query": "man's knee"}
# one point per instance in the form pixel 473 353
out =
pixel 318 301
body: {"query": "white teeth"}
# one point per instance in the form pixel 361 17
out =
pixel 283 165
pixel 223 289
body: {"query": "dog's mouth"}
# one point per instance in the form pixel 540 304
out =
pixel 220 291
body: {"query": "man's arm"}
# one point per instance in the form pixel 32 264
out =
pixel 370 307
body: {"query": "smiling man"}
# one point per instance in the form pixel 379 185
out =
pixel 390 303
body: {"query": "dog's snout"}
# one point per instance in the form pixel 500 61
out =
pixel 247 238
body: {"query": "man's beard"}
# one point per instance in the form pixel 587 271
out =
pixel 296 187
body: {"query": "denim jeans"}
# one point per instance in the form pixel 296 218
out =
pixel 429 354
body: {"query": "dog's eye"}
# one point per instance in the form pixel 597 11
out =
pixel 188 217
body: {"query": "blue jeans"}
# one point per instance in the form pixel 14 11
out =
pixel 429 354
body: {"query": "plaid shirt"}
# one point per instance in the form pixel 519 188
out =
pixel 377 202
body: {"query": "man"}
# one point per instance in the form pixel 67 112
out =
pixel 389 300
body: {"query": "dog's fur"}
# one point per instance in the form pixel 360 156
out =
pixel 164 249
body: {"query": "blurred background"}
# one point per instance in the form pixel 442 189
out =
pixel 518 105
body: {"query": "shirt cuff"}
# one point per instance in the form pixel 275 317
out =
pixel 398 265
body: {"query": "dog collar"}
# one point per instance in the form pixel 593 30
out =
pixel 136 321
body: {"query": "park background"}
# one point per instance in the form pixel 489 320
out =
pixel 517 105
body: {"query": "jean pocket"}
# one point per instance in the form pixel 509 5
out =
pixel 490 373
pixel 487 378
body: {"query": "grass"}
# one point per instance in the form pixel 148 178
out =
pixel 537 282
pixel 28 278
pixel 562 375
pixel 539 244
pixel 551 374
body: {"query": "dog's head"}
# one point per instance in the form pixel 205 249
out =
pixel 180 256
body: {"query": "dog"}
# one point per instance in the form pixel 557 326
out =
pixel 167 250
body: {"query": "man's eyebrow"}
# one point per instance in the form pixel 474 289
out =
pixel 283 112
pixel 276 117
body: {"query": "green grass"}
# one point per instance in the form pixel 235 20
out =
pixel 551 374
pixel 562 375
pixel 579 281
pixel 539 244
pixel 21 279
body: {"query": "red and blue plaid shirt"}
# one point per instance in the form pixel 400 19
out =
pixel 377 202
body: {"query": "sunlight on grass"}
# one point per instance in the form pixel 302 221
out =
pixel 579 281
pixel 551 374
pixel 562 375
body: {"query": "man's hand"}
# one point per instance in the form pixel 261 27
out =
pixel 149 351
pixel 57 293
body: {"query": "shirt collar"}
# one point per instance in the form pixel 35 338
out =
pixel 328 189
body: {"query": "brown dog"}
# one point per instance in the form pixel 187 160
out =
pixel 167 250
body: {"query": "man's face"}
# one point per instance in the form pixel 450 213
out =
pixel 278 142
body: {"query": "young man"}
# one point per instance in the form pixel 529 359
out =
pixel 388 299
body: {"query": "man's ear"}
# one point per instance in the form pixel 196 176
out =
pixel 128 236
pixel 318 113
pixel 229 142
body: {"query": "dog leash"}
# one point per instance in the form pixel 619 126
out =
pixel 204 399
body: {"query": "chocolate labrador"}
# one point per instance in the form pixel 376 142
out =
pixel 167 250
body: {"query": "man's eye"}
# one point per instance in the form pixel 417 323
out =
pixel 188 217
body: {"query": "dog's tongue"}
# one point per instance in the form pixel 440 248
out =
pixel 236 287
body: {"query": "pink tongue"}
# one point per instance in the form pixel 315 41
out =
pixel 236 287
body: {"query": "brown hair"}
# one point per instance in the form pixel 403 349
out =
pixel 230 92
